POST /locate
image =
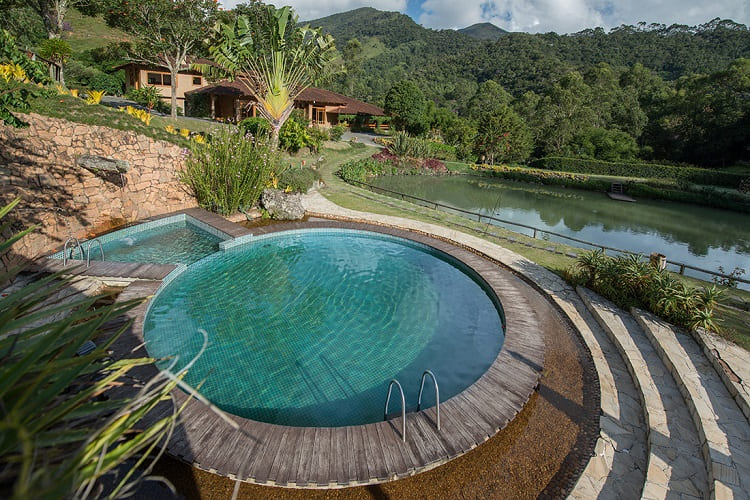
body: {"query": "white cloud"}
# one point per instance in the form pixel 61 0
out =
pixel 566 16
pixel 534 16
pixel 315 9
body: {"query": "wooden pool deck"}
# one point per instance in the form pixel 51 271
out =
pixel 344 456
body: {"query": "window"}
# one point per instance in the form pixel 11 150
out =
pixel 197 80
pixel 159 79
pixel 319 116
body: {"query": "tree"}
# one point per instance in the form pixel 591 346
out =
pixel 58 51
pixel 407 106
pixel 490 97
pixel 168 31
pixel 274 58
pixel 502 137
pixel 352 56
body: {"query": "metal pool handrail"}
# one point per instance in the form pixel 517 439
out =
pixel 437 395
pixel 88 250
pixel 448 208
pixel 65 249
pixel 403 407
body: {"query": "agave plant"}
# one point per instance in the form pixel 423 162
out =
pixel 591 264
pixel 62 426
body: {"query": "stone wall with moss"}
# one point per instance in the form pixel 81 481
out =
pixel 42 164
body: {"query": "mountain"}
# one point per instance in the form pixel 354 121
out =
pixel 483 31
pixel 449 65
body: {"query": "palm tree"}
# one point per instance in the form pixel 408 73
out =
pixel 273 57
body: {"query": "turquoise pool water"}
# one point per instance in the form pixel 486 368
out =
pixel 175 243
pixel 307 328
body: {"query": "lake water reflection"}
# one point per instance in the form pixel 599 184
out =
pixel 699 236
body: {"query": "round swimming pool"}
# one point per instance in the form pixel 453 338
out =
pixel 307 328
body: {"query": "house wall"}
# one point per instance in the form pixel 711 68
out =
pixel 38 164
pixel 137 77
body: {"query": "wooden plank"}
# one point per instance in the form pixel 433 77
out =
pixel 390 443
pixel 305 456
pixel 358 442
pixel 375 457
pixel 279 450
pixel 339 470
pixel 281 470
pixel 264 455
pixel 428 432
pixel 319 470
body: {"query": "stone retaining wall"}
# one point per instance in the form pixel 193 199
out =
pixel 39 164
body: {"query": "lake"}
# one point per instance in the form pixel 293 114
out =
pixel 698 236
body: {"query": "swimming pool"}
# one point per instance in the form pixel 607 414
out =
pixel 307 327
pixel 178 239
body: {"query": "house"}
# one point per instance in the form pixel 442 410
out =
pixel 322 107
pixel 138 75
pixel 232 100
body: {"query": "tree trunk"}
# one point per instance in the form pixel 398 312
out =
pixel 173 71
pixel 62 75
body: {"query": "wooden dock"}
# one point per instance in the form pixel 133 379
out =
pixel 343 456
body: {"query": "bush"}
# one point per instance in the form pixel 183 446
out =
pixel 230 171
pixel 255 126
pixel 293 136
pixel 361 170
pixel 441 151
pixel 645 170
pixel 315 138
pixel 544 177
pixel 336 132
pixel 630 281
pixel 299 180
pixel 81 76
pixel 149 96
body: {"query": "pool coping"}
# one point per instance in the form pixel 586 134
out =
pixel 331 457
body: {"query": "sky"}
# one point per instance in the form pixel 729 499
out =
pixel 534 16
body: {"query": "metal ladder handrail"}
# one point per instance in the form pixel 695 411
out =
pixel 403 407
pixel 437 395
pixel 88 250
pixel 65 249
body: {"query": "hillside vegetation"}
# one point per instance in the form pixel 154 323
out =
pixel 450 64
pixel 483 31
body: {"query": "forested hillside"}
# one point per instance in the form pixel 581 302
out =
pixel 656 92
pixel 449 64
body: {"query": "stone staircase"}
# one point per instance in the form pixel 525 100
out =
pixel 697 437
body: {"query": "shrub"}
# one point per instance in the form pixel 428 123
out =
pixel 336 132
pixel 94 96
pixel 630 281
pixel 230 171
pixel 255 126
pixel 434 165
pixel 635 169
pixel 149 96
pixel 360 170
pixel 315 137
pixel 293 136
pixel 441 151
pixel 299 180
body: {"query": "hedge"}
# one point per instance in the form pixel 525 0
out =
pixel 645 170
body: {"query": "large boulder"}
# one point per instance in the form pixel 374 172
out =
pixel 283 206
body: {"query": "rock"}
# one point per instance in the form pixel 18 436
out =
pixel 283 206
pixel 99 165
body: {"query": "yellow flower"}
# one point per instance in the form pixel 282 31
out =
pixel 184 132
pixel 94 96
pixel 170 129
pixel 199 139
pixel 74 92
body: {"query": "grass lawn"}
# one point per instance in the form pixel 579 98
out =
pixel 91 32
pixel 734 321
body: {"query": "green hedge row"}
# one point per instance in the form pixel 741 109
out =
pixel 645 170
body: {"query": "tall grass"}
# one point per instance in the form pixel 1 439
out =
pixel 230 171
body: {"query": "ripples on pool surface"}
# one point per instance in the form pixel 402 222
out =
pixel 307 329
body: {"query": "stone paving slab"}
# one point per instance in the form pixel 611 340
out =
pixel 675 464
pixel 731 363
pixel 723 428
